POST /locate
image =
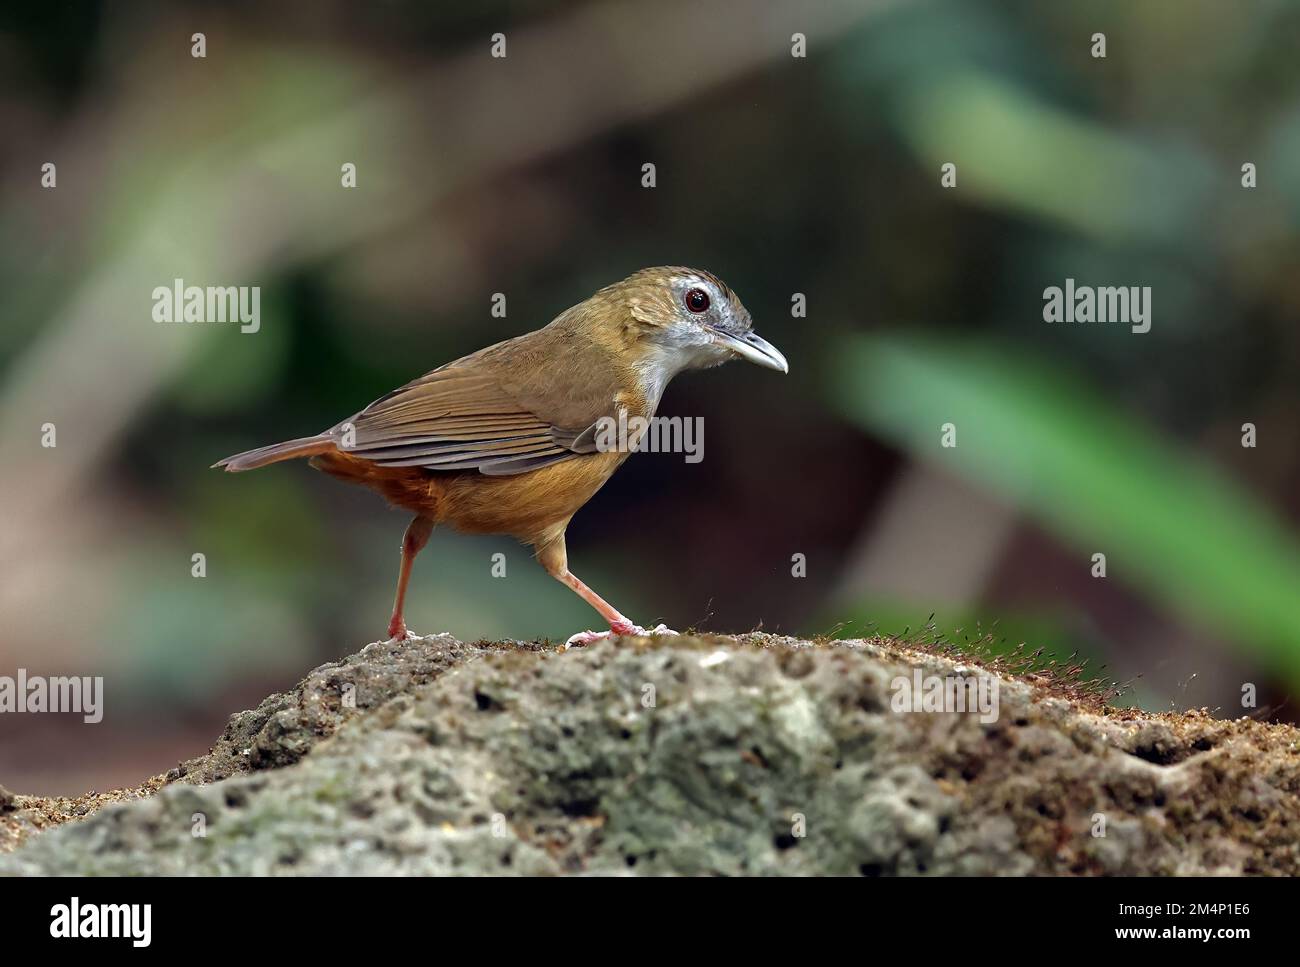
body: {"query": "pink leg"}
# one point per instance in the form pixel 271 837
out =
pixel 553 557
pixel 413 541
pixel 617 623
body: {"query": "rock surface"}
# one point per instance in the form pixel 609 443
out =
pixel 750 755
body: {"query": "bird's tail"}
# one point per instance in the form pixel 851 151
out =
pixel 308 446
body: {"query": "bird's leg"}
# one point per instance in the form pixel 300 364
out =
pixel 554 558
pixel 416 536
pixel 617 622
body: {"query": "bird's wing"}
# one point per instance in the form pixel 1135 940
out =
pixel 471 415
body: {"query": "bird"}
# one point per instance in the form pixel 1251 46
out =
pixel 508 440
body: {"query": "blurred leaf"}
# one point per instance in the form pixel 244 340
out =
pixel 1166 521
pixel 1013 149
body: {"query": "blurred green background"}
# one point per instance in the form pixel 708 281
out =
pixel 817 175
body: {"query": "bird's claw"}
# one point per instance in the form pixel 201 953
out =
pixel 618 631
pixel 659 629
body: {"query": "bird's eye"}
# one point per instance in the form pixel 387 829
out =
pixel 697 300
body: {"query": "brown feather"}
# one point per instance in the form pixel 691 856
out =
pixel 529 398
pixel 289 450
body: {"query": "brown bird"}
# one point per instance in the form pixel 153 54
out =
pixel 508 439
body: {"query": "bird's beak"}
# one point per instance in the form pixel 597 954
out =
pixel 753 347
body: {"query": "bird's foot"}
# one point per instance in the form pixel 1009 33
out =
pixel 620 630
pixel 397 631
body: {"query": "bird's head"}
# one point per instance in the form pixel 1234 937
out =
pixel 683 318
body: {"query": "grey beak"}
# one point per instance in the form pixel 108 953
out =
pixel 754 348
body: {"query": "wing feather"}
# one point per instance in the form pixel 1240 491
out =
pixel 465 416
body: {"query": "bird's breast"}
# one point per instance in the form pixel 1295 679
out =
pixel 529 504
